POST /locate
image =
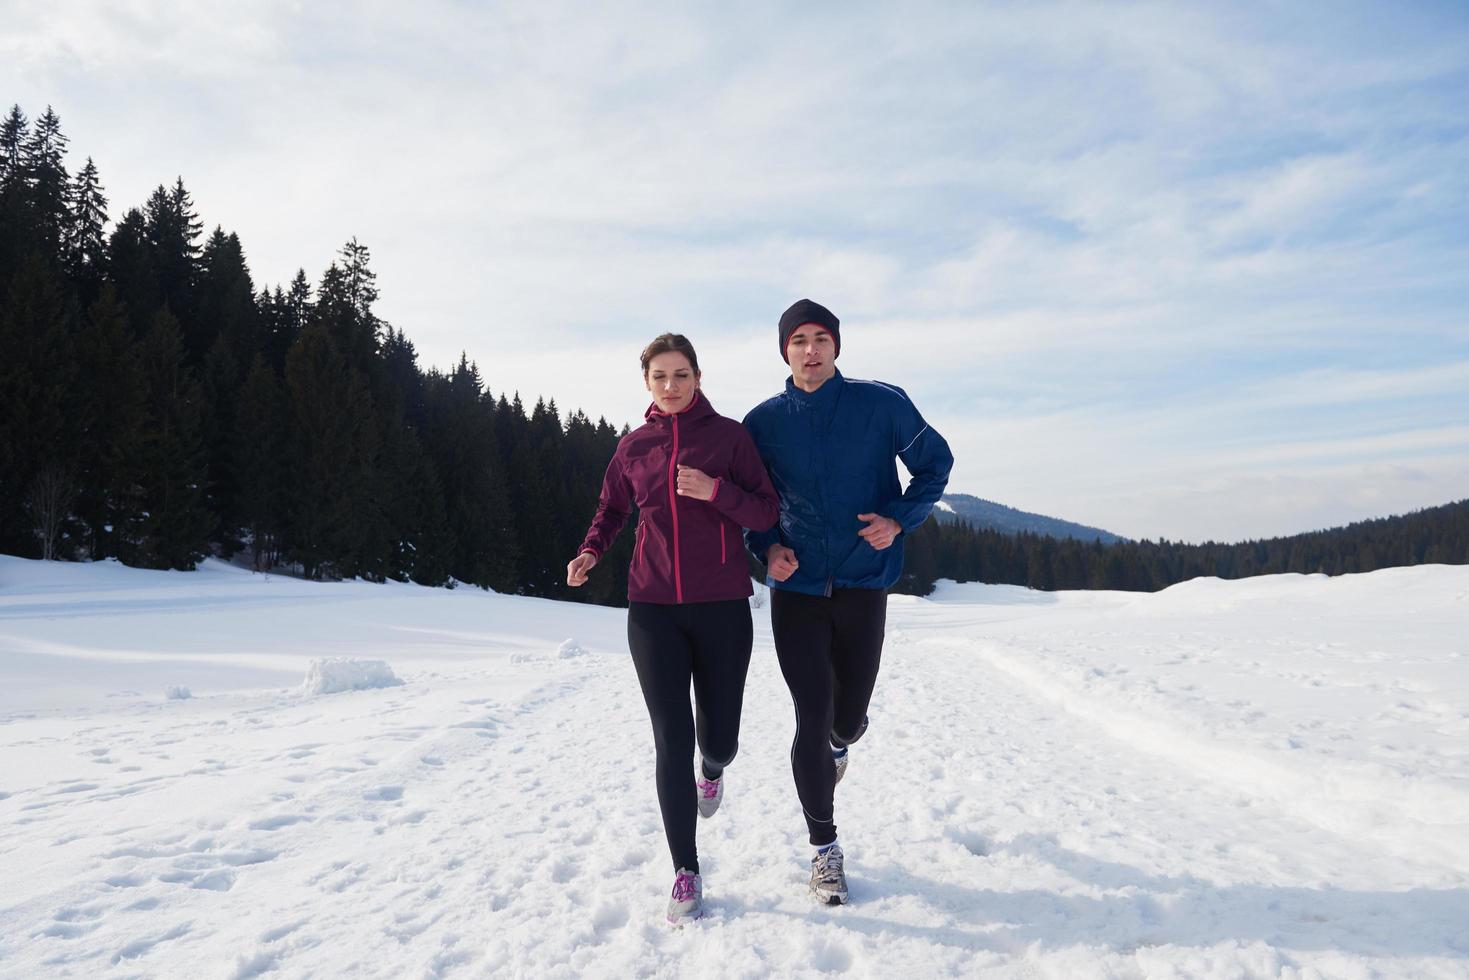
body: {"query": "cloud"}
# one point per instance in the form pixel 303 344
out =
pixel 1119 242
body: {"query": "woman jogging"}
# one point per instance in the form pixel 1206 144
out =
pixel 696 480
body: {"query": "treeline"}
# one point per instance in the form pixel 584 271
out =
pixel 156 407
pixel 1438 535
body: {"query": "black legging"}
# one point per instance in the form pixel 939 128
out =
pixel 707 643
pixel 829 649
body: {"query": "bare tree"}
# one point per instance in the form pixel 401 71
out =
pixel 52 493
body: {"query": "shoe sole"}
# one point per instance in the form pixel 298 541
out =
pixel 678 920
pixel 827 899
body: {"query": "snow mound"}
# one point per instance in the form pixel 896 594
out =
pixel 177 692
pixel 330 675
pixel 569 648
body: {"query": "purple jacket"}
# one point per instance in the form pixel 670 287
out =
pixel 687 550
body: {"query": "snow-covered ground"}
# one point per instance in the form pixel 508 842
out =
pixel 1227 779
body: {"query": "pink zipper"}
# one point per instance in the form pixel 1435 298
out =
pixel 642 536
pixel 673 505
pixel 721 543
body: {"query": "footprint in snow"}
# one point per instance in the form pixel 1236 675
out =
pixel 971 841
pixel 140 946
pixel 67 930
pixel 277 822
pixel 609 916
pixel 124 881
pixel 75 788
pixel 215 881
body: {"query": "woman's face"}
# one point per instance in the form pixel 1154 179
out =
pixel 672 381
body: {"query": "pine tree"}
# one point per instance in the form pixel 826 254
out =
pixel 298 310
pixel 37 428
pixel 111 409
pixel 416 513
pixel 334 524
pixel 225 294
pixel 461 439
pixel 86 239
pixel 15 224
pixel 429 535
pixel 47 183
pixel 404 380
pixel 173 229
pixel 173 528
pixel 130 269
pixel 361 281
pixel 13 133
pixel 225 299
pixel 344 305
pixel 259 462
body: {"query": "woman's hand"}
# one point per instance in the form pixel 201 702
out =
pixel 695 483
pixel 577 568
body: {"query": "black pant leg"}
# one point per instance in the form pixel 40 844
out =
pixel 663 657
pixel 803 637
pixel 723 636
pixel 859 622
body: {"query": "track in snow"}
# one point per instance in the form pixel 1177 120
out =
pixel 466 825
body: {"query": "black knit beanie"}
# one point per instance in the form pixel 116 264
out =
pixel 804 311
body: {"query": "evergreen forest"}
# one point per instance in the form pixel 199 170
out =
pixel 959 551
pixel 157 406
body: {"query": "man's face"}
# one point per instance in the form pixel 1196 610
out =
pixel 812 354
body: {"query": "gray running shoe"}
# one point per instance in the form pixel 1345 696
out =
pixel 839 752
pixel 828 880
pixel 710 791
pixel 687 902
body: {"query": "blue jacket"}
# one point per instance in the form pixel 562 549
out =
pixel 831 455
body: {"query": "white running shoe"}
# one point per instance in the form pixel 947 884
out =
pixel 686 904
pixel 839 760
pixel 828 880
pixel 710 792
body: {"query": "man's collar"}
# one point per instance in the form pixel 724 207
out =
pixel 827 387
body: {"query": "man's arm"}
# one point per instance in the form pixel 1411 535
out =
pixel 927 456
pixel 759 542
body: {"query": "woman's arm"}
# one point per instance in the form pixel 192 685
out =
pixel 747 498
pixel 613 508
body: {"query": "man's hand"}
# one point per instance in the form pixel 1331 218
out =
pixel 577 568
pixel 880 531
pixel 695 483
pixel 781 562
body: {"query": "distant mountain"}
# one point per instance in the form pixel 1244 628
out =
pixel 953 507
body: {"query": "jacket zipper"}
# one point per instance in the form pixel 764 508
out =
pixel 641 538
pixel 673 506
pixel 722 557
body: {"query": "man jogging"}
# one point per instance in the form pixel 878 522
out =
pixel 830 443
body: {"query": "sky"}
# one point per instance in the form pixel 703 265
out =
pixel 1174 270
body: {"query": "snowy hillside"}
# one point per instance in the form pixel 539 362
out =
pixel 1259 778
pixel 981 513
